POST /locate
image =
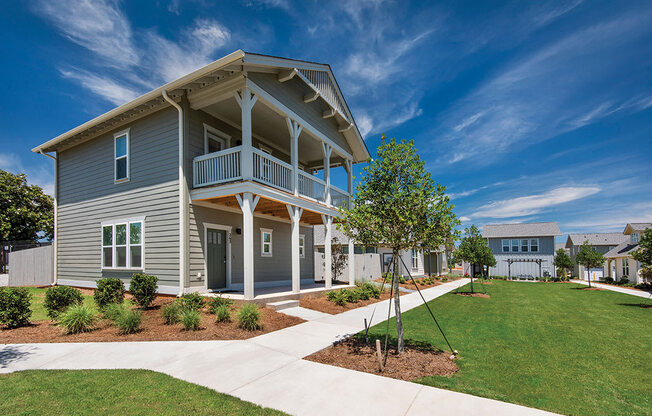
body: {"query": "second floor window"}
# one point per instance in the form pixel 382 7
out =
pixel 635 238
pixel 121 154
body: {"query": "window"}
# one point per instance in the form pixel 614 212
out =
pixel 515 246
pixel 625 267
pixel 505 246
pixel 525 247
pixel 635 238
pixel 121 155
pixel 415 258
pixel 266 242
pixel 122 244
pixel 534 245
pixel 302 246
pixel 215 140
pixel 371 249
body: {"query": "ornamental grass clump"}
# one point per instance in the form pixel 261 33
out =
pixel 217 302
pixel 172 313
pixel 14 306
pixel 59 298
pixel 249 317
pixel 223 313
pixel 113 311
pixel 192 301
pixel 190 319
pixel 77 319
pixel 129 321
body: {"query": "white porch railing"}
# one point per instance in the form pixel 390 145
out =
pixel 339 197
pixel 311 186
pixel 218 167
pixel 271 171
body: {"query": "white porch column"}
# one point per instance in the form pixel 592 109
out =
pixel 351 262
pixel 327 171
pixel 295 131
pixel 295 216
pixel 246 99
pixel 348 165
pixel 248 204
pixel 328 277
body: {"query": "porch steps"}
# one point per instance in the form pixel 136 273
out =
pixel 283 304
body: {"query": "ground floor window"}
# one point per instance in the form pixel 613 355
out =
pixel 625 267
pixel 302 246
pixel 122 244
pixel 266 242
pixel 415 258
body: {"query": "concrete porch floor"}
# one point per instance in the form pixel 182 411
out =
pixel 282 292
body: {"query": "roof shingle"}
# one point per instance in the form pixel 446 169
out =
pixel 528 229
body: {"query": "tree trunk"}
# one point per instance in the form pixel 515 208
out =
pixel 588 275
pixel 397 305
pixel 471 275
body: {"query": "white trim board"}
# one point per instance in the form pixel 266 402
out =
pixel 221 227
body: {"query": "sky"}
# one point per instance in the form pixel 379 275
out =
pixel 525 111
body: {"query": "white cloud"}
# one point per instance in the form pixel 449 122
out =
pixel 365 124
pixel 533 204
pixel 612 218
pixel 465 219
pixel 116 93
pixel 209 36
pixel 280 4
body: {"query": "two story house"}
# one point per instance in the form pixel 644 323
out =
pixel 522 251
pixel 620 262
pixel 600 242
pixel 211 182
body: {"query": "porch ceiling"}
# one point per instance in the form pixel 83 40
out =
pixel 270 207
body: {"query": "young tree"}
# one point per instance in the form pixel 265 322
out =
pixel 474 249
pixel 24 209
pixel 563 261
pixel 643 254
pixel 399 205
pixel 589 258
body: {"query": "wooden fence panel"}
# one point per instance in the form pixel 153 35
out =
pixel 31 267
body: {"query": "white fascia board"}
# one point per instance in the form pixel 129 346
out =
pixel 273 61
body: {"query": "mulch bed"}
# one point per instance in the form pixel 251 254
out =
pixel 409 285
pixel 322 304
pixel 475 295
pixel 414 363
pixel 154 329
pixel 592 288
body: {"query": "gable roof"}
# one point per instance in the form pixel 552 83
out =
pixel 621 250
pixel 637 226
pixel 597 239
pixel 528 229
pixel 317 76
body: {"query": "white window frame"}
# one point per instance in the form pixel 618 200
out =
pixel 635 238
pixel 626 267
pixel 127 222
pixel 508 245
pixel 517 245
pixel 415 258
pixel 218 134
pixel 127 156
pixel 263 231
pixel 526 246
pixel 530 245
pixel 302 246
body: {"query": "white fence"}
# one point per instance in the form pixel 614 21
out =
pixel 367 267
pixel 271 171
pixel 218 167
pixel 311 186
pixel 31 267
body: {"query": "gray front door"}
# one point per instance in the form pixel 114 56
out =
pixel 216 258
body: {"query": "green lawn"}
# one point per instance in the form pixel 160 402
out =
pixel 114 392
pixel 546 345
pixel 38 297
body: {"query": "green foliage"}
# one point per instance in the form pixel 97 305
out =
pixel 77 318
pixel 609 280
pixel 143 288
pixel 563 261
pixel 190 319
pixel 129 321
pixel 368 290
pixel 249 317
pixel 14 306
pixel 113 311
pixel 643 253
pixel 474 248
pixel 589 258
pixel 59 298
pixel 192 301
pixel 337 297
pixel 223 313
pixel 109 290
pixel 172 313
pixel 623 281
pixel 215 303
pixel 24 209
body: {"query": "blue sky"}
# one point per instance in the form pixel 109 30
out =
pixel 526 111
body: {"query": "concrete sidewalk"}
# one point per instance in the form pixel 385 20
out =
pixel 625 290
pixel 268 370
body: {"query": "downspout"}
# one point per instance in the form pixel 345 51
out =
pixel 55 269
pixel 182 205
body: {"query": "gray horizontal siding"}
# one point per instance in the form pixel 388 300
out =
pixel 88 196
pixel 546 245
pixel 522 268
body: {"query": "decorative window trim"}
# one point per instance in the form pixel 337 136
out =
pixel 302 246
pixel 127 156
pixel 128 245
pixel 264 231
pixel 210 130
pixel 509 245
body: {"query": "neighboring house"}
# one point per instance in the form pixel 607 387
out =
pixel 207 182
pixel 600 242
pixel 563 247
pixel 372 260
pixel 620 261
pixel 523 251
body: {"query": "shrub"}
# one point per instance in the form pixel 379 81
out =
pixel 113 311
pixel 350 295
pixel 644 286
pixel 190 318
pixel 608 279
pixel 369 289
pixel 171 313
pixel 223 313
pixel 337 298
pixel 249 317
pixel 109 290
pixel 14 306
pixel 77 318
pixel 218 302
pixel 401 279
pixel 143 288
pixel 192 301
pixel 623 281
pixel 128 321
pixel 59 298
pixel 444 279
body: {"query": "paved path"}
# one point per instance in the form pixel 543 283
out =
pixel 625 290
pixel 4 280
pixel 269 370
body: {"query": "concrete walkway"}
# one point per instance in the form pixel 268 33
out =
pixel 269 370
pixel 625 290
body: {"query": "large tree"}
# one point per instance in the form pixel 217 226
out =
pixel 26 213
pixel 589 258
pixel 643 254
pixel 474 249
pixel 563 261
pixel 397 204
